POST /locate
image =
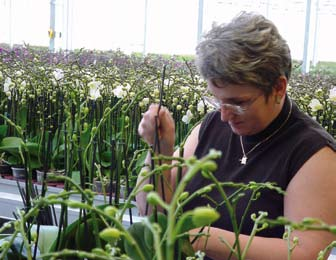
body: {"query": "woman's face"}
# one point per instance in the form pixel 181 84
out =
pixel 257 112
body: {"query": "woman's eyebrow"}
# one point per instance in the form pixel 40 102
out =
pixel 235 99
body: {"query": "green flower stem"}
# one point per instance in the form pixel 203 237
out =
pixel 255 229
pixel 95 229
pixel 4 250
pixel 195 167
pixel 324 252
pixel 16 127
pixel 135 99
pixel 180 223
pixel 75 253
pixel 78 187
pixel 43 202
pixel 94 133
pixel 232 250
pixel 137 188
pixel 22 229
pixel 230 210
pixel 105 116
pixel 134 158
pixel 195 194
pixel 288 236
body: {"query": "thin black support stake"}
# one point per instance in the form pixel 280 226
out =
pixel 112 159
pixel 127 186
pixel 37 240
pixel 156 147
pixel 94 147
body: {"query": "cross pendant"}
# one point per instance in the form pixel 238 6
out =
pixel 243 160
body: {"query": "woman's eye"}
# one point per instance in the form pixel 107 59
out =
pixel 239 103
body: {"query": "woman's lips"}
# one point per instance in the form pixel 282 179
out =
pixel 236 125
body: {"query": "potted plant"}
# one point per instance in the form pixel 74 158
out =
pixel 5 167
pixel 15 149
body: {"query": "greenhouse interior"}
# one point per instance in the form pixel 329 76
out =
pixel 167 129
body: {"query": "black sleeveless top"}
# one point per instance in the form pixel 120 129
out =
pixel 277 160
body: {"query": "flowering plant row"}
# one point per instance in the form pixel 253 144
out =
pixel 79 112
pixel 316 95
pixel 82 108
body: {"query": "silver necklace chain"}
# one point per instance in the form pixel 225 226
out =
pixel 243 160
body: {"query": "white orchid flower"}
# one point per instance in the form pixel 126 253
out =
pixel 332 94
pixel 315 105
pixel 200 106
pixel 7 87
pixel 19 73
pixel 8 84
pixel 58 74
pixel 120 91
pixel 145 101
pixel 166 82
pixel 94 90
pixel 187 117
pixel 23 84
pixel 185 89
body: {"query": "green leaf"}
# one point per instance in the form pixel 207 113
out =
pixel 137 231
pixel 141 160
pixel 75 176
pixel 186 246
pixel 11 145
pixel 33 148
pixel 22 117
pixel 185 223
pixel 35 163
pixel 3 131
pixel 84 227
pixel 149 239
pixel 105 158
pixel 11 142
pixel 85 138
pixel 144 238
pixel 14 160
pixel 58 157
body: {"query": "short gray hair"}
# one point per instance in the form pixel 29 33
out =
pixel 248 50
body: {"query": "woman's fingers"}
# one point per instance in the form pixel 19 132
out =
pixel 165 126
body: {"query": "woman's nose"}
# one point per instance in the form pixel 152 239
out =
pixel 226 114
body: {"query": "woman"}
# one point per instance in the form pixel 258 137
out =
pixel 263 137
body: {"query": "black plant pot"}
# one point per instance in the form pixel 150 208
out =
pixel 5 169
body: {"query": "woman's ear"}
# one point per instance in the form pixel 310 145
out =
pixel 280 86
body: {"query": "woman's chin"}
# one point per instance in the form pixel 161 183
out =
pixel 242 131
pixel 238 128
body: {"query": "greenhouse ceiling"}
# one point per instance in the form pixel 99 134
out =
pixel 161 26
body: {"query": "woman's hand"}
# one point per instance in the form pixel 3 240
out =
pixel 166 128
